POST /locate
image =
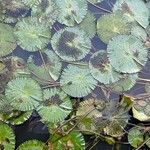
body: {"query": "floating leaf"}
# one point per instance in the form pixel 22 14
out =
pixel 40 73
pixel 89 24
pixel 73 141
pixel 23 93
pixel 77 81
pixel 101 68
pixel 33 145
pixel 141 109
pixel 54 64
pixel 135 137
pixel 134 10
pixel 127 54
pixel 71 12
pixel 31 34
pixel 125 83
pixel 56 106
pixel 15 117
pixel 7 137
pixel 46 11
pixel 7 41
pixel 111 25
pixel 71 44
pixel 139 32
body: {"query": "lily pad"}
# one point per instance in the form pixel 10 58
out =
pixel 141 109
pixel 46 11
pixel 71 44
pixel 55 107
pixel 33 145
pixel 71 12
pixel 89 19
pixel 23 93
pixel 73 141
pixel 31 34
pixel 77 81
pixel 55 64
pixel 7 41
pixel 111 25
pixel 135 137
pixel 127 53
pixel 7 137
pixel 101 68
pixel 134 10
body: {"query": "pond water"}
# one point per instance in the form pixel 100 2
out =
pixel 33 128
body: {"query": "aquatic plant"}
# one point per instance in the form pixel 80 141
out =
pixel 75 72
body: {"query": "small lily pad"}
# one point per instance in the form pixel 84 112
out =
pixel 7 41
pixel 127 53
pixel 111 25
pixel 71 44
pixel 77 81
pixel 33 145
pixel 101 68
pixel 31 34
pixel 7 137
pixel 71 12
pixel 23 93
pixel 135 137
pixel 55 107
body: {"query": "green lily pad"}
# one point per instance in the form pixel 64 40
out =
pixel 7 41
pixel 55 107
pixel 33 145
pixel 71 44
pixel 134 11
pixel 127 54
pixel 101 68
pixel 73 141
pixel 7 137
pixel 46 11
pixel 135 137
pixel 71 12
pixel 125 83
pixel 77 81
pixel 23 93
pixel 141 109
pixel 90 29
pixel 111 25
pixel 31 34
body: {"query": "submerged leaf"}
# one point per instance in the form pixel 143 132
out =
pixel 7 40
pixel 56 106
pixel 33 145
pixel 77 81
pixel 31 34
pixel 111 25
pixel 72 141
pixel 72 12
pixel 7 137
pixel 127 54
pixel 71 44
pixel 101 68
pixel 134 10
pixel 23 93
